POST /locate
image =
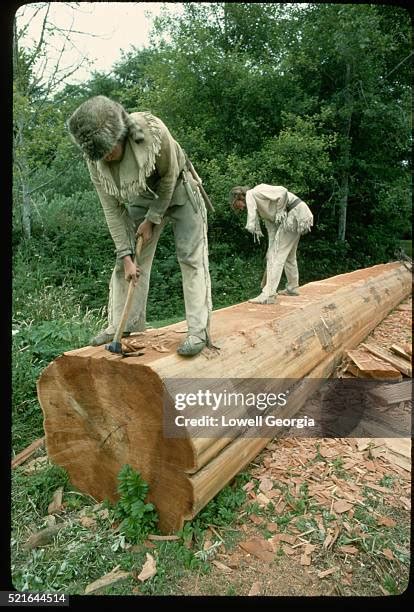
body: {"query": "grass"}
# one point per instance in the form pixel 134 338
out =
pixel 407 246
pixel 79 554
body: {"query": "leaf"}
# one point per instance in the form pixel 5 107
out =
pixel 387 521
pixel 149 569
pixel 113 576
pixel 255 589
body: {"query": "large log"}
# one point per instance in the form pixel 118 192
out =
pixel 102 411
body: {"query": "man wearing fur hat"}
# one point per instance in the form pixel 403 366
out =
pixel 140 174
pixel 286 218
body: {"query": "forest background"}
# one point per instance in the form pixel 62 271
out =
pixel 316 97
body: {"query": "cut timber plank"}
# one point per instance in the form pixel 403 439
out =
pixel 27 452
pixel 397 362
pixel 395 393
pixel 400 352
pixel 102 411
pixel 368 366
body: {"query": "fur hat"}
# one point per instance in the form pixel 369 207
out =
pixel 236 192
pixel 98 124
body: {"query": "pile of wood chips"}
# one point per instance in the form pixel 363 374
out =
pixel 288 463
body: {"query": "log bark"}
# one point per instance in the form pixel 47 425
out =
pixel 102 411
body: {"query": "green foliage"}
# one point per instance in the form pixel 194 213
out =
pixel 222 510
pixel 38 487
pixel 137 517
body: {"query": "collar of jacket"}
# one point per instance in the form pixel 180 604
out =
pixel 138 161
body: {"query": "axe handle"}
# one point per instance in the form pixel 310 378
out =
pixel 200 186
pixel 128 301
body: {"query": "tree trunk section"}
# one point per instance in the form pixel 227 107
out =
pixel 102 411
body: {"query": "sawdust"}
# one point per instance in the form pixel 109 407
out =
pixel 337 473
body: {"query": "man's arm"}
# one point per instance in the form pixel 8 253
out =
pixel 116 216
pixel 168 168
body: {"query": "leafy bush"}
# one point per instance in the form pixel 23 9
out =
pixel 138 518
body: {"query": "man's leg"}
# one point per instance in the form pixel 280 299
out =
pixel 291 271
pixel 190 233
pixel 118 286
pixel 277 257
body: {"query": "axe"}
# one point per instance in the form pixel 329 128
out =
pixel 116 346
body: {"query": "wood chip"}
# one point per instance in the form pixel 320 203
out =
pixel 387 552
pixel 348 549
pixel 262 500
pixel 397 362
pixel 400 352
pixel 255 589
pixel 249 485
pixel 266 485
pixel 160 348
pixel 342 506
pixel 42 538
pixel 285 537
pixel 36 464
pixel 113 576
pixel 387 521
pixel 56 503
pixel 258 547
pixel 305 559
pixel 223 568
pixel 327 452
pixel 327 572
pixel 288 550
pixel 162 538
pixel 149 569
pixel 88 521
pixel 365 365
pixel 272 527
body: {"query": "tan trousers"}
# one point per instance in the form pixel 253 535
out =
pixel 281 255
pixel 189 219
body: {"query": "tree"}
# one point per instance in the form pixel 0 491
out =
pixel 349 61
pixel 38 123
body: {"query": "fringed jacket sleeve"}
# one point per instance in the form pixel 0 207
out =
pixel 117 218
